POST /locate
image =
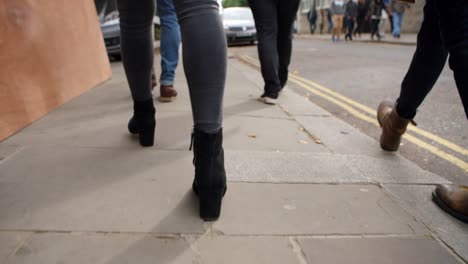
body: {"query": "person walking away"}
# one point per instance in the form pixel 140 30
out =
pixel 351 13
pixel 443 32
pixel 361 17
pixel 383 22
pixel 170 43
pixel 398 8
pixel 312 17
pixel 375 14
pixel 337 9
pixel 274 22
pixel 390 15
pixel 329 20
pixel 205 62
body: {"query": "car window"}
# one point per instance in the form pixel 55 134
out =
pixel 238 14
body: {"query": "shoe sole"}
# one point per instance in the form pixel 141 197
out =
pixel 447 209
pixel 266 100
pixel 166 99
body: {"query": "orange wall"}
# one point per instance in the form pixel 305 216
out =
pixel 50 52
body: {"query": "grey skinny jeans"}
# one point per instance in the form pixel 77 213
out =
pixel 204 55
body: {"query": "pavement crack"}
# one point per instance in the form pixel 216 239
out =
pixel 298 250
pixel 20 245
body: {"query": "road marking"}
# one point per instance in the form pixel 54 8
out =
pixel 332 96
pixel 372 112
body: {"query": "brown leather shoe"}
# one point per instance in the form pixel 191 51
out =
pixel 453 200
pixel 393 126
pixel 168 93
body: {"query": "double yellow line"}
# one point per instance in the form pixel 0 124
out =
pixel 368 114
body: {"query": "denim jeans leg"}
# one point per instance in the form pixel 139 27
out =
pixel 397 17
pixel 137 46
pixel 170 41
pixel 427 64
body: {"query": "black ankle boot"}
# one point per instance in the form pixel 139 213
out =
pixel 143 122
pixel 210 177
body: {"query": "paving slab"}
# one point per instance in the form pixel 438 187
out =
pixel 338 136
pixel 376 251
pixel 9 242
pixel 128 248
pixel 291 167
pixel 418 201
pixel 300 167
pixel 8 151
pixel 297 105
pixel 110 131
pixel 86 189
pixel 392 168
pixel 249 250
pixel 92 248
pixel 298 209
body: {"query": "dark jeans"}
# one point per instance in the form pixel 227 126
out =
pixel 444 31
pixel 274 20
pixel 375 27
pixel 350 27
pixel 204 54
pixel 360 24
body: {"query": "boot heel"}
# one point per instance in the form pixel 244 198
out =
pixel 147 136
pixel 210 205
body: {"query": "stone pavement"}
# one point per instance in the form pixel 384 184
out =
pixel 406 39
pixel 304 187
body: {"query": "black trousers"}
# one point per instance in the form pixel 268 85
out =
pixel 274 20
pixel 375 27
pixel 444 31
pixel 360 23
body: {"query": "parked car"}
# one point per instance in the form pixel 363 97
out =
pixel 239 25
pixel 110 26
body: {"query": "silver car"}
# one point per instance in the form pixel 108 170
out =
pixel 239 25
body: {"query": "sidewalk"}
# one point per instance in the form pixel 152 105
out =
pixel 304 187
pixel 406 39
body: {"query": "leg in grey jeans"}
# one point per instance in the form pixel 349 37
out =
pixel 204 53
pixel 205 56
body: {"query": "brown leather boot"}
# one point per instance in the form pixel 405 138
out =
pixel 168 93
pixel 453 200
pixel 393 126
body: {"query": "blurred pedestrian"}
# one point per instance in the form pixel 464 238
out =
pixel 362 10
pixel 337 9
pixel 329 20
pixel 389 14
pixel 397 8
pixel 383 23
pixel 274 22
pixel 350 17
pixel 375 13
pixel 443 32
pixel 170 43
pixel 205 61
pixel 312 17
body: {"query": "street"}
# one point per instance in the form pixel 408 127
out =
pixel 76 187
pixel 363 74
